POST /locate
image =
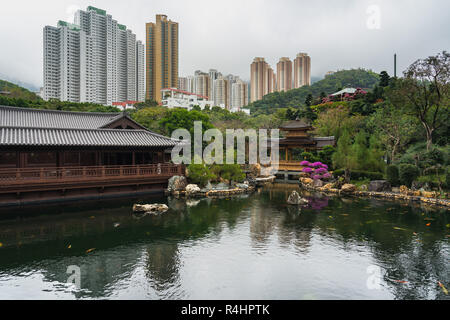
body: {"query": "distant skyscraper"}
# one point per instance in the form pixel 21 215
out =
pixel 162 56
pixel 302 70
pixel 221 97
pixel 284 74
pixel 202 84
pixel 239 94
pixel 140 74
pixel 263 80
pixel 93 60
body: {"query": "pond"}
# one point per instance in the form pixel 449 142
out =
pixel 248 247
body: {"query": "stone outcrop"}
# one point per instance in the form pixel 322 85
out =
pixel 150 208
pixel 379 186
pixel 295 199
pixel 318 183
pixel 306 182
pixel 177 183
pixel 192 190
pixel 348 188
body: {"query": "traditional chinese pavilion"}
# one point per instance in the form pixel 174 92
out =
pixel 297 136
pixel 48 155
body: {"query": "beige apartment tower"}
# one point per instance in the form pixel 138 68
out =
pixel 162 56
pixel 284 74
pixel 262 79
pixel 302 70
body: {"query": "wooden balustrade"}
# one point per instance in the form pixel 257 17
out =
pixel 68 174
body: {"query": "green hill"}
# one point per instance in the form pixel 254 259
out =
pixel 15 91
pixel 355 78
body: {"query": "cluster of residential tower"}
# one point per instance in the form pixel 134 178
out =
pixel 98 60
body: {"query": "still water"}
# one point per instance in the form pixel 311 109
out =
pixel 251 247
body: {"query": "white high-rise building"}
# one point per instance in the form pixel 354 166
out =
pixel 93 60
pixel 140 71
pixel 239 94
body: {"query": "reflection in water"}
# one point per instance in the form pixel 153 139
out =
pixel 250 247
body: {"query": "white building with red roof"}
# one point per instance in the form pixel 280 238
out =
pixel 174 98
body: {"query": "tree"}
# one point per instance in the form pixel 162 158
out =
pixel 150 117
pixel 146 104
pixel 425 92
pixel 334 121
pixel 183 119
pixel 360 152
pixel 384 79
pixel 342 158
pixel 394 128
pixel 309 100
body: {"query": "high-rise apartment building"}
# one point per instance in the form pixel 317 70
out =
pixel 302 70
pixel 284 74
pixel 140 71
pixel 162 56
pixel 93 60
pixel 202 84
pixel 239 94
pixel 186 84
pixel 221 96
pixel 262 79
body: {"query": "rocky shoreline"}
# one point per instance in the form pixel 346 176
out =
pixel 179 188
pixel 351 190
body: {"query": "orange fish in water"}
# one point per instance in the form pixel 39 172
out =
pixel 90 250
pixel 428 224
pixel 443 288
pixel 401 281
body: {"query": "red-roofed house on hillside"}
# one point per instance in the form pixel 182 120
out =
pixel 125 105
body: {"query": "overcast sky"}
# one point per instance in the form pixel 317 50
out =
pixel 227 34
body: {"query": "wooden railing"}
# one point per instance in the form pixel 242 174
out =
pixel 68 174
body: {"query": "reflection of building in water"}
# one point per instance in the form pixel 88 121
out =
pixel 101 271
pixel 262 224
pixel 162 264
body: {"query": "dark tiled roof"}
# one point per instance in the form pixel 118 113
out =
pixel 296 124
pixel 14 136
pixel 37 118
pixel 34 127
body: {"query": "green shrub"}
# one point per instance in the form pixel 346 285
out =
pixel 447 180
pixel 407 174
pixel 362 175
pixel 325 155
pixel 230 172
pixel 392 175
pixel 200 174
pixel 359 175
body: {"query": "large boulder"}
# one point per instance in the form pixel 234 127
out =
pixel 318 183
pixel 348 188
pixel 243 186
pixel 379 186
pixel 192 189
pixel 150 208
pixel 177 183
pixel 255 170
pixel 295 199
pixel 306 181
pixel 221 186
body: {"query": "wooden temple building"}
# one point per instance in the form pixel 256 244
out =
pixel 297 135
pixel 53 155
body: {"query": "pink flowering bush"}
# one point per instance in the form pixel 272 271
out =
pixel 316 170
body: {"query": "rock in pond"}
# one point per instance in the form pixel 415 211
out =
pixel 379 186
pixel 348 188
pixel 192 189
pixel 295 199
pixel 150 208
pixel 177 183
pixel 318 183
